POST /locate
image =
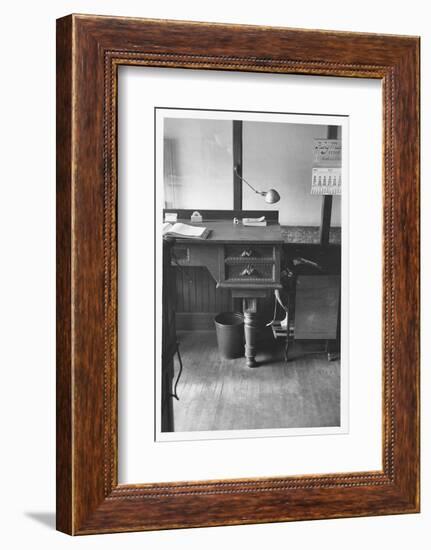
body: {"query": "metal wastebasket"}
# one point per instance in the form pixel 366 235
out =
pixel 230 334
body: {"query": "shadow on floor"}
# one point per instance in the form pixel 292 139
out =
pixel 45 518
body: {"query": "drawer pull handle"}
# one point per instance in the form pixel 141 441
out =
pixel 247 271
pixel 247 253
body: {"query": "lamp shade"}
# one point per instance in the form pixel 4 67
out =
pixel 272 196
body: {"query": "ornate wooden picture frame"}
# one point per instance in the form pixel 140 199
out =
pixel 89 51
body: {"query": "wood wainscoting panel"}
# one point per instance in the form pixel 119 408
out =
pixel 198 300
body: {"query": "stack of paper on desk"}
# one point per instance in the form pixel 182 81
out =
pixel 254 222
pixel 184 231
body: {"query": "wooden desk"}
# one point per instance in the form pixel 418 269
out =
pixel 243 259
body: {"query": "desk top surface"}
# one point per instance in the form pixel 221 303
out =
pixel 224 231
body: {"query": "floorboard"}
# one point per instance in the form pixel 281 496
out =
pixel 220 394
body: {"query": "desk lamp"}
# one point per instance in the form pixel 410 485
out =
pixel 271 196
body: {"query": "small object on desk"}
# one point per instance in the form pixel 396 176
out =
pixel 184 231
pixel 196 217
pixel 254 222
pixel 235 221
pixel 171 217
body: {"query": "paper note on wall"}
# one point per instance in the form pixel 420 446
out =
pixel 326 173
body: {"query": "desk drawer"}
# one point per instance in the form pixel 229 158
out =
pixel 250 272
pixel 249 252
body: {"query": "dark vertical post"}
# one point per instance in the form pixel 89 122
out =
pixel 325 217
pixel 237 164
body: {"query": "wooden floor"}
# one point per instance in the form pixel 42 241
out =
pixel 218 394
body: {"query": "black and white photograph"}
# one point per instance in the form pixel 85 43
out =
pixel 251 210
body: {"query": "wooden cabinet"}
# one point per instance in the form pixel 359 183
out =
pixel 316 307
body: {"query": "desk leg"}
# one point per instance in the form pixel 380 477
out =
pixel 250 330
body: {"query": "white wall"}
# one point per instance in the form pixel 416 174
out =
pixel 27 312
pixel 198 164
pixel 280 156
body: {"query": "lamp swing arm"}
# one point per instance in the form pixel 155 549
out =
pixel 263 193
pixel 270 196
